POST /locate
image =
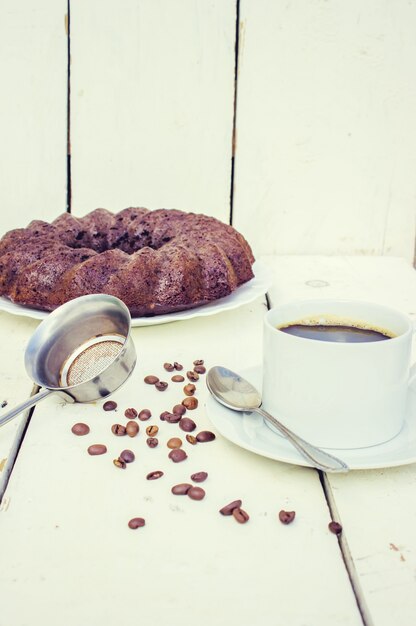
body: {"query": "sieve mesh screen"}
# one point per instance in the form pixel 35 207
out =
pixel 91 361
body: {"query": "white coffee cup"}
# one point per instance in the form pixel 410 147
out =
pixel 338 395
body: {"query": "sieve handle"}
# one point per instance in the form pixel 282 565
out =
pixel 27 404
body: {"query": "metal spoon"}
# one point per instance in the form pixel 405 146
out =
pixel 238 394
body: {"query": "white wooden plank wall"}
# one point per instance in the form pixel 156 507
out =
pixel 152 96
pixel 326 133
pixel 33 118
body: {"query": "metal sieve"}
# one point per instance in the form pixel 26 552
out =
pixel 83 351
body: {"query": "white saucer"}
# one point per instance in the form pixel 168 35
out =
pixel 250 432
pixel 244 294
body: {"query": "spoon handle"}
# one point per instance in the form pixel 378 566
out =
pixel 317 457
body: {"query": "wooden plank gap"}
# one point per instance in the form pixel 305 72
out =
pixel 68 111
pixel 346 553
pixel 234 130
pixel 8 465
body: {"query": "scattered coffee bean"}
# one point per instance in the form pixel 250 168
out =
pixel 118 430
pixel 191 439
pixel 168 367
pixel 181 489
pixel 200 369
pixel 204 436
pixel 241 516
pixel 3 404
pixel 132 428
pixel 196 493
pixel 177 455
pixel 179 409
pixel 144 415
pixel 110 405
pixel 127 456
pixel 163 415
pixel 287 517
pixel 172 418
pixel 80 429
pixel 335 528
pixel 190 403
pixel 154 475
pixel 161 385
pixel 178 367
pixel 174 442
pixel 152 430
pixel 121 463
pixel 131 414
pixel 199 362
pixel 229 508
pixel 136 522
pixel 152 442
pixel 199 477
pixel 192 376
pixel 151 380
pixel 189 390
pixel 97 448
pixel 177 378
pixel 187 425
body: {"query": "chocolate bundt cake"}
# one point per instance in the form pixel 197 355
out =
pixel 155 261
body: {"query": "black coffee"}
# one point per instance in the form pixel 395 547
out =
pixel 337 333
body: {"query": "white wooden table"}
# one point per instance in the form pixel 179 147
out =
pixel 68 556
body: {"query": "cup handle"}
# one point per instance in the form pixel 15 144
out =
pixel 412 377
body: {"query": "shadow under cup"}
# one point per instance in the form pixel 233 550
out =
pixel 337 395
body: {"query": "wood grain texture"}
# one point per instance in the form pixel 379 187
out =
pixel 68 512
pixel 152 86
pixel 33 116
pixel 326 144
pixel 376 508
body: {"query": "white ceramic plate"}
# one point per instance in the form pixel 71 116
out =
pixel 248 292
pixel 250 432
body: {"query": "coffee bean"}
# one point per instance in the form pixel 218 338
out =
pixel 177 378
pixel 118 430
pixel 199 362
pixel 335 528
pixel 174 442
pixel 152 430
pixel 144 415
pixel 121 463
pixel 127 456
pixel 204 436
pixel 199 477
pixel 168 367
pixel 189 389
pixel 177 455
pixel 229 508
pixel 179 409
pixel 80 429
pixel 178 367
pixel 151 380
pixel 187 425
pixel 161 385
pixel 172 418
pixel 97 448
pixel 196 493
pixel 163 415
pixel 287 517
pixel 132 428
pixel 110 405
pixel 191 439
pixel 241 516
pixel 136 522
pixel 154 475
pixel 193 376
pixel 181 489
pixel 190 403
pixel 131 414
pixel 200 369
pixel 152 442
